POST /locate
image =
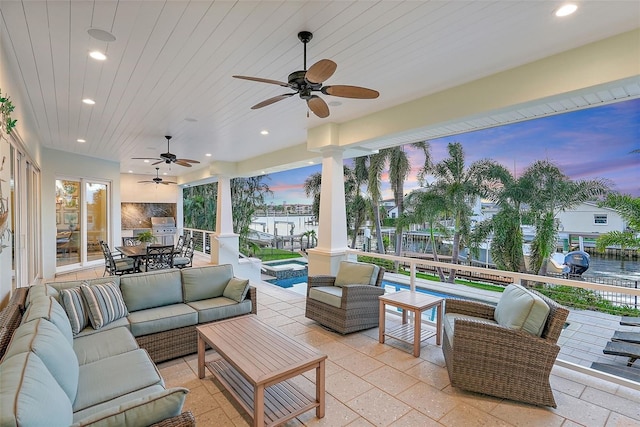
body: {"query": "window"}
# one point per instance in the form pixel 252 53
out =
pixel 600 219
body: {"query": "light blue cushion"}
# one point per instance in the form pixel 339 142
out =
pixel 48 308
pixel 74 305
pixel 331 295
pixel 46 341
pixel 236 289
pixel 522 310
pixel 120 323
pixel 42 290
pixel 153 289
pixel 159 319
pixel 105 303
pixel 213 309
pixel 205 282
pixel 115 376
pixel 140 408
pixel 30 395
pixel 449 323
pixel 355 273
pixel 103 344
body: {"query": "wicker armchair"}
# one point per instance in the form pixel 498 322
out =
pixel 488 358
pixel 358 303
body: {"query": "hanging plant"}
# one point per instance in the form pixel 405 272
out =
pixel 6 108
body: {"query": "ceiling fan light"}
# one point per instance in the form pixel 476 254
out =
pixel 97 55
pixel 88 101
pixel 566 10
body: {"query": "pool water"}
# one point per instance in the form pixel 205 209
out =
pixel 299 285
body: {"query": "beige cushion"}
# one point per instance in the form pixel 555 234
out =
pixel 354 273
pixel 331 295
pixel 236 289
pixel 449 323
pixel 522 310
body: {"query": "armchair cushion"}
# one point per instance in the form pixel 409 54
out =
pixel 449 323
pixel 331 295
pixel 236 289
pixel 522 310
pixel 355 273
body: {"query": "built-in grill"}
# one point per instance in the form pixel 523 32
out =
pixel 164 229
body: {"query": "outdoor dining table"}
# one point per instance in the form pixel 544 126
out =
pixel 138 253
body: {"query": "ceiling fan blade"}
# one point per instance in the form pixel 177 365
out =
pixel 144 182
pixel 181 163
pixel 318 106
pixel 350 92
pixel 261 80
pixel 187 160
pixel 157 163
pixel 271 100
pixel 145 158
pixel 320 71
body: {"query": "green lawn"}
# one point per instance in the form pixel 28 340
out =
pixel 271 254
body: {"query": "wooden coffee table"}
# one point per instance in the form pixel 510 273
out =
pixel 416 302
pixel 254 363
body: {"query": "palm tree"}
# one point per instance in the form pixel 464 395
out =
pixel 427 207
pixel 363 174
pixel 399 169
pixel 460 187
pixel 629 208
pixel 549 192
pixel 312 187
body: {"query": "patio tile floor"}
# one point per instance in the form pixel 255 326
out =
pixel 373 384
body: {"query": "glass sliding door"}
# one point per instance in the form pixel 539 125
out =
pixel 82 221
pixel 96 219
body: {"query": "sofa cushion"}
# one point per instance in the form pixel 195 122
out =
pixel 522 310
pixel 46 341
pixel 331 295
pixel 74 305
pixel 115 376
pixel 48 308
pixel 42 290
pixel 153 289
pixel 159 319
pixel 105 303
pixel 30 395
pixel 120 323
pixel 140 408
pixel 58 286
pixel 105 343
pixel 213 309
pixel 449 323
pixel 201 283
pixel 354 273
pixel 236 289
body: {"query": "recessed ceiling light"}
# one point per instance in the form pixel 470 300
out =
pixel 146 161
pixel 208 154
pixel 88 101
pixel 264 132
pixel 98 55
pixel 566 10
pixel 164 173
pixel 102 35
pixel 81 140
pixel 130 171
pixel 310 163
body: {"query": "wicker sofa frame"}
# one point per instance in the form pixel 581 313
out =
pixel 494 360
pixel 359 308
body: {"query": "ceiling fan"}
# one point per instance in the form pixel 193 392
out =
pixel 157 180
pixel 168 158
pixel 305 82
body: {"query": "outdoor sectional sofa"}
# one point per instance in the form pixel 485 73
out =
pixel 57 371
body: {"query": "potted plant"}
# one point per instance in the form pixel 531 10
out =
pixel 146 237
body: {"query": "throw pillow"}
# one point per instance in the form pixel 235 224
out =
pixel 76 309
pixel 522 310
pixel 105 303
pixel 236 289
pixel 354 273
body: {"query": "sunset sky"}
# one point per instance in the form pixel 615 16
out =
pixel 586 144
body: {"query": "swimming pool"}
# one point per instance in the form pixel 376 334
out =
pixel 299 285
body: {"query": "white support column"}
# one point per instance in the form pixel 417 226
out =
pixel 332 227
pixel 224 242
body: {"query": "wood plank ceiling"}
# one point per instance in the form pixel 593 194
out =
pixel 169 70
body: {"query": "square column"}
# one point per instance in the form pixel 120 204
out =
pixel 224 242
pixel 332 224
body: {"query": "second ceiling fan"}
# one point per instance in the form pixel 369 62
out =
pixel 168 158
pixel 305 82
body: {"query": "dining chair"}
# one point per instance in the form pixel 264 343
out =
pixel 184 259
pixel 159 257
pixel 130 241
pixel 113 266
